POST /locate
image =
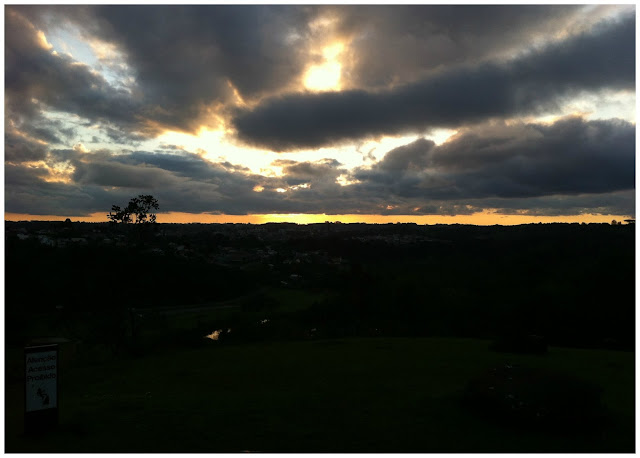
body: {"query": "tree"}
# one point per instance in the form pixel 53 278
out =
pixel 137 211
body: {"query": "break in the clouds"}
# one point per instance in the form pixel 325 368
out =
pixel 335 109
pixel 533 82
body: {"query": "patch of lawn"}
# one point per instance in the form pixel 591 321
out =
pixel 293 300
pixel 352 395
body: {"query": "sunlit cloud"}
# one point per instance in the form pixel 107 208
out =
pixel 60 173
pixel 345 180
pixel 323 77
pixel 215 146
pixel 326 76
pixel 80 148
pixel 591 106
pixel 42 39
pixel 300 186
pixel 313 109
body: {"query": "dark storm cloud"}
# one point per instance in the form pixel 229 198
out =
pixel 63 155
pixel 144 170
pixel 49 130
pixel 615 203
pixel 17 148
pixel 310 170
pixel 416 67
pixel 181 181
pixel 122 137
pixel 48 135
pixel 181 164
pixel 237 42
pixel 121 175
pixel 408 157
pixel 422 179
pixel 19 175
pixel 29 141
pixel 62 199
pixel 37 79
pixel 185 57
pixel 395 44
pixel 102 178
pixel 602 58
pixel 571 156
pixel 26 191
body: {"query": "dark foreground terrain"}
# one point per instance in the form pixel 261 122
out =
pixel 352 395
pixel 326 338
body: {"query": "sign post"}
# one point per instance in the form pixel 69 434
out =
pixel 41 388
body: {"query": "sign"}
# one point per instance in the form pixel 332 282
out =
pixel 41 387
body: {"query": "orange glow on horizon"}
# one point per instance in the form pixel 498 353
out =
pixel 485 218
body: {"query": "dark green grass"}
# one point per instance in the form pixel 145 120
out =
pixel 293 300
pixel 353 395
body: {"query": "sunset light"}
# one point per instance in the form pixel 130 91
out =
pixel 270 125
pixel 485 218
pixel 326 76
pixel 417 219
pixel 323 77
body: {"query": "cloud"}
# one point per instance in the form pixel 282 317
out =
pixel 187 62
pixel 179 163
pixel 413 156
pixel 613 203
pixel 189 59
pixel 181 181
pixel 116 135
pixel 26 191
pixel 407 69
pixel 310 171
pixel 398 44
pixel 569 157
pixel 121 175
pixel 581 167
pixel 20 175
pixel 533 82
pixel 18 148
pixel 38 80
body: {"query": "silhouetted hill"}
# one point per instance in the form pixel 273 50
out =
pixel 572 284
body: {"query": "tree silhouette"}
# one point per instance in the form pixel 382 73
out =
pixel 137 211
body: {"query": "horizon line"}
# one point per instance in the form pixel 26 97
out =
pixel 485 218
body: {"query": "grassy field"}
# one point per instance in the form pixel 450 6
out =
pixel 352 395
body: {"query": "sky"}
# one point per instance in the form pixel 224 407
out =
pixel 473 114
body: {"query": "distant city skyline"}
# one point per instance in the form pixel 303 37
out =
pixel 470 114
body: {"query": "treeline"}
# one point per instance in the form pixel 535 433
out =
pixel 40 278
pixel 572 284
